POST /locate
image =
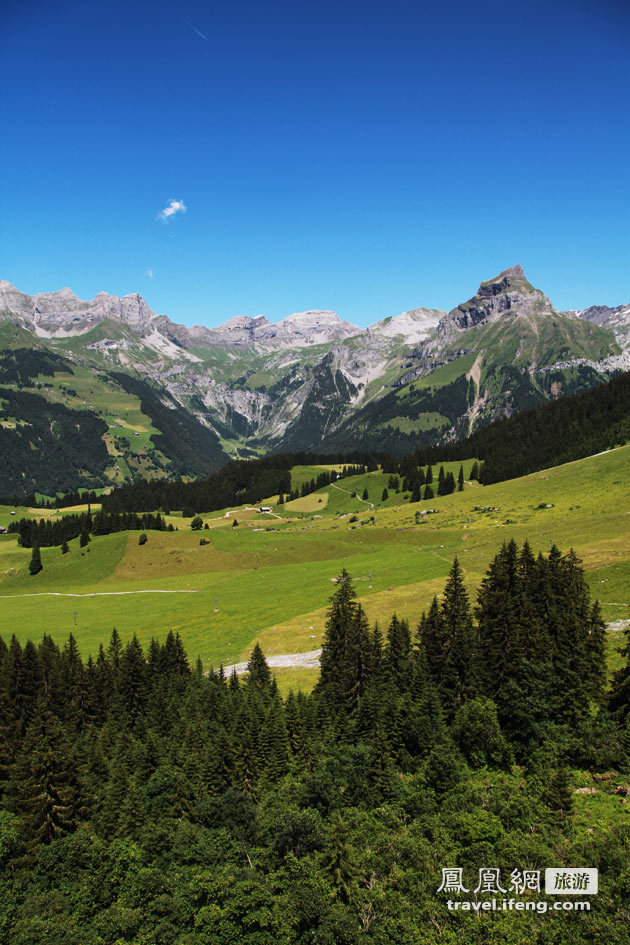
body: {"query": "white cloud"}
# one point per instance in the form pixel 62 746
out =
pixel 149 273
pixel 171 208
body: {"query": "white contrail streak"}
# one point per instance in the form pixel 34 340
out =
pixel 194 28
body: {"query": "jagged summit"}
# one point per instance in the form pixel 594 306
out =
pixel 509 293
pixel 512 274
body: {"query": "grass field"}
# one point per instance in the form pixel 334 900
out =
pixel 270 579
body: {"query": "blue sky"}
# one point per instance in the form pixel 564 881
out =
pixel 364 157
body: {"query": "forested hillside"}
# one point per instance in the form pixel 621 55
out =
pixel 146 801
pixel 549 435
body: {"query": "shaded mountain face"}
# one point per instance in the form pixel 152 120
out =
pixel 311 381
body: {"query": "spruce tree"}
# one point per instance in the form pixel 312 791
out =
pixel 64 548
pixel 131 682
pixel 356 661
pixel 428 493
pixel 432 641
pixel 460 479
pixel 35 565
pixel 45 783
pixel 366 494
pixel 385 495
pixel 619 698
pixel 558 796
pixel 84 537
pixel 340 617
pixel 258 672
pixel 338 859
pixel 459 675
pixel 596 653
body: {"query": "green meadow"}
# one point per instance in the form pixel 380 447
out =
pixel 270 578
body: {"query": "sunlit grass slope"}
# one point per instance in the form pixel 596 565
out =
pixel 270 579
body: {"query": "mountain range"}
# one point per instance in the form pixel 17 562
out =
pixel 149 397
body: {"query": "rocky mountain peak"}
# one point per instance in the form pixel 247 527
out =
pixel 314 316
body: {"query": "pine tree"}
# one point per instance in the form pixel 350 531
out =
pixel 259 674
pixel 131 682
pixel 558 796
pixel 596 653
pixel 459 675
pixel 429 476
pixel 397 653
pixel 381 769
pixel 235 523
pixel 619 699
pixel 385 495
pixel 474 472
pixel 84 537
pixel 275 743
pixel 244 752
pixel 338 859
pixel 428 493
pixel 356 661
pixel 366 494
pixel 460 479
pixel 432 640
pixel 45 783
pixel 624 749
pixel 340 617
pixel 35 565
pixel 65 548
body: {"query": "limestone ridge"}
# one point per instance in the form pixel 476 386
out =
pixel 615 319
pixel 507 295
pixel 313 380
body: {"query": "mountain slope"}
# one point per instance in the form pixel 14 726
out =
pixel 180 401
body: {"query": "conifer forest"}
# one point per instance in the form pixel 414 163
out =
pixel 145 801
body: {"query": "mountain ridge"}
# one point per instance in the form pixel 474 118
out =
pixel 313 380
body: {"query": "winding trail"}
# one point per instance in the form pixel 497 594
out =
pixel 371 504
pixel 249 508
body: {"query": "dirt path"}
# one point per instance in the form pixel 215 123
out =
pixel 371 504
pixel 249 508
pixel 285 661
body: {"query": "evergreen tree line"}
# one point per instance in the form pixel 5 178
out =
pixel 47 533
pixel 551 434
pixel 420 483
pixel 145 800
pixel 239 482
pixel 325 478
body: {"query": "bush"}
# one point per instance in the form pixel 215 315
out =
pixel 142 540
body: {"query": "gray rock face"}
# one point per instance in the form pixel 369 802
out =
pixel 291 383
pixel 300 330
pixel 616 319
pixel 60 314
pixel 507 293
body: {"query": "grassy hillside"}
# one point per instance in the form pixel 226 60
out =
pixel 271 577
pixel 126 429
